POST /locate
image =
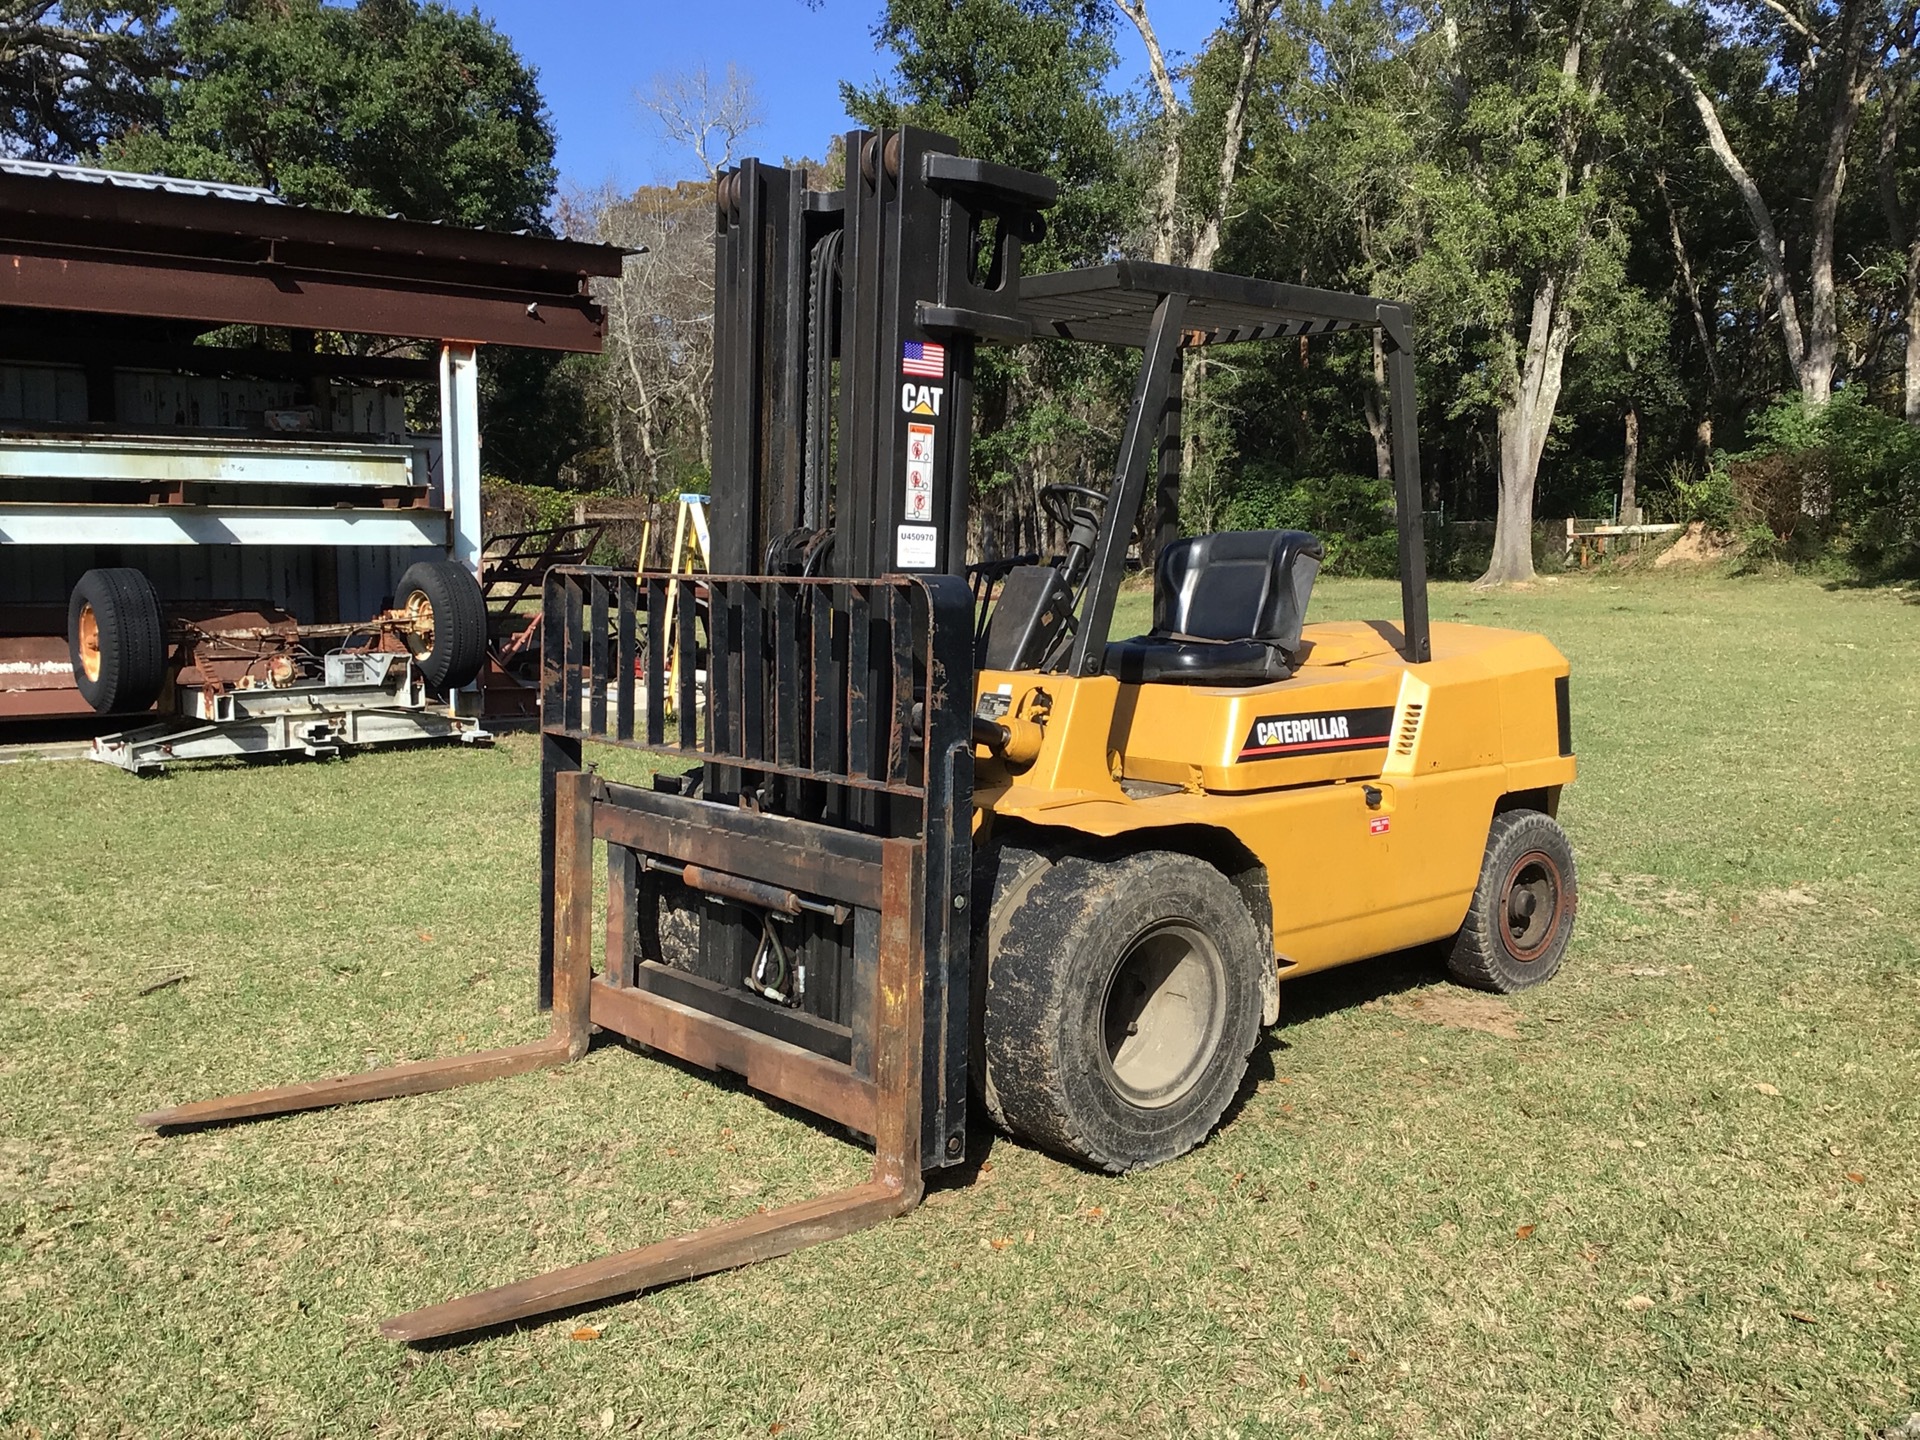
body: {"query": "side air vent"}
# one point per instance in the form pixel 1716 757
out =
pixel 1409 732
pixel 1563 710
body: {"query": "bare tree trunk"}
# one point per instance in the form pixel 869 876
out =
pixel 1524 423
pixel 1253 18
pixel 1629 498
pixel 1688 283
pixel 1166 187
pixel 1899 87
pixel 1526 419
pixel 1910 401
pixel 1772 255
pixel 1375 404
pixel 1823 325
pixel 1812 349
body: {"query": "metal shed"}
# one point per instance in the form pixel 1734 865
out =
pixel 286 476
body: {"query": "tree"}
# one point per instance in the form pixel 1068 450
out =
pixel 1241 42
pixel 1816 65
pixel 73 75
pixel 1895 164
pixel 709 118
pixel 1521 237
pixel 384 107
pixel 657 378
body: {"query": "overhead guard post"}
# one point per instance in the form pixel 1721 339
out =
pixel 1396 324
pixel 1137 443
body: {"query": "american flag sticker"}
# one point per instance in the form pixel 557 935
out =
pixel 926 359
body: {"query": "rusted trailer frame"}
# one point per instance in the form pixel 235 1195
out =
pixel 834 686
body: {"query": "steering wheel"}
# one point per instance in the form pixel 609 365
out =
pixel 1056 500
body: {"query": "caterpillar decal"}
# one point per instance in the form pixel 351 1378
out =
pixel 1319 733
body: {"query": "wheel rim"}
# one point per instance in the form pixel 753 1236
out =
pixel 1531 902
pixel 1161 1019
pixel 419 632
pixel 89 642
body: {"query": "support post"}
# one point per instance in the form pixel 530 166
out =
pixel 460 449
pixel 1396 323
pixel 1166 500
pixel 460 473
pixel 1129 485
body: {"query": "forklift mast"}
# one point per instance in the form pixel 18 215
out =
pixel 845 326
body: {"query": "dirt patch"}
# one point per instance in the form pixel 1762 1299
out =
pixel 1697 545
pixel 1797 897
pixel 1648 892
pixel 1460 1010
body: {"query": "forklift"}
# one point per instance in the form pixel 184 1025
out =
pixel 927 841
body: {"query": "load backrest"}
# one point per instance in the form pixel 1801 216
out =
pixel 1237 585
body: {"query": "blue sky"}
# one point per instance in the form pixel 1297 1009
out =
pixel 594 54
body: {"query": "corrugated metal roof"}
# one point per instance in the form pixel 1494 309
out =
pixel 128 180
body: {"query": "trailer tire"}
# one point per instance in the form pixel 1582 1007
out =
pixel 446 599
pixel 116 640
pixel 1122 1005
pixel 1521 915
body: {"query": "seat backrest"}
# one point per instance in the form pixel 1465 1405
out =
pixel 1237 585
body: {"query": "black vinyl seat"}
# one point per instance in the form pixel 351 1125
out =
pixel 1227 610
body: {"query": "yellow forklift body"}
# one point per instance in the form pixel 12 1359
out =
pixel 1363 784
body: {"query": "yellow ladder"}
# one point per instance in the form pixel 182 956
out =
pixel 692 546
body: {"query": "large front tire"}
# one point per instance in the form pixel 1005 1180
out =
pixel 1122 1004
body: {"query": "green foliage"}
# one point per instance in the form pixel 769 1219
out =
pixel 1021 82
pixel 384 107
pixel 1847 467
pixel 1017 81
pixel 506 506
pixel 534 415
pixel 1352 514
pixel 1707 498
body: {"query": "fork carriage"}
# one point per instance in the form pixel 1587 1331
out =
pixel 848 859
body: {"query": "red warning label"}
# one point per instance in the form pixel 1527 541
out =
pixel 1379 825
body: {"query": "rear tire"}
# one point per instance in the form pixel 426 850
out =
pixel 1122 1004
pixel 116 640
pixel 1517 926
pixel 445 600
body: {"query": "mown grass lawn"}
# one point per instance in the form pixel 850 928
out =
pixel 1676 1192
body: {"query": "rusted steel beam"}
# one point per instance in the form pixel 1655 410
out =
pixel 722 1247
pixel 416 1077
pixel 275 295
pixel 771 1066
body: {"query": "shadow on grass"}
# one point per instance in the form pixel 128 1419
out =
pixel 1313 997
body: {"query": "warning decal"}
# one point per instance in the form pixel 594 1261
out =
pixel 1318 733
pixel 919 493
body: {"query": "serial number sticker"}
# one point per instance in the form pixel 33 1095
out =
pixel 917 546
